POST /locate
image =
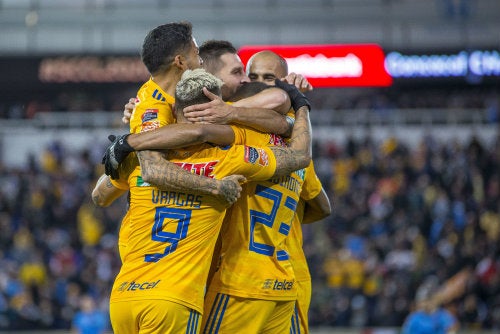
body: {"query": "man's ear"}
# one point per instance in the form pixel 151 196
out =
pixel 180 62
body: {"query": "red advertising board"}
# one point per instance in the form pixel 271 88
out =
pixel 356 65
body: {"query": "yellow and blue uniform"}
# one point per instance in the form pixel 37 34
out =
pixel 173 233
pixel 254 262
pixel 310 189
pixel 153 108
pixel 128 165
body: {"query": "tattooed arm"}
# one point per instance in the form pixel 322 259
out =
pixel 155 169
pixel 298 154
pixel 105 192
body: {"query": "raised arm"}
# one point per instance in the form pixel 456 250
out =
pixel 298 154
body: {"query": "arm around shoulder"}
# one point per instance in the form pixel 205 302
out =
pixel 264 111
pixel 158 171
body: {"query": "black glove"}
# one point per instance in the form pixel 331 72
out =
pixel 296 97
pixel 115 154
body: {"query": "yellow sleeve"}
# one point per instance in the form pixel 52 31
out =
pixel 312 185
pixel 152 110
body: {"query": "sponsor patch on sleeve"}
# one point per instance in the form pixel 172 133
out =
pixel 256 155
pixel 149 115
pixel 150 120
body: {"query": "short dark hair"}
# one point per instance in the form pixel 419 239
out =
pixel 189 90
pixel 248 89
pixel 163 43
pixel 212 50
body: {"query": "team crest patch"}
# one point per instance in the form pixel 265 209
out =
pixel 149 115
pixel 255 155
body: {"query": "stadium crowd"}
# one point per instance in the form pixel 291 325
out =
pixel 401 215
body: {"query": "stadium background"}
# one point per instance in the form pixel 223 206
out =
pixel 412 169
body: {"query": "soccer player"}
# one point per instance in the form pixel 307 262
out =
pixel 314 204
pixel 266 67
pixel 167 51
pixel 162 281
pixel 269 310
pixel 253 290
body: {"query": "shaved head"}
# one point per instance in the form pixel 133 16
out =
pixel 265 66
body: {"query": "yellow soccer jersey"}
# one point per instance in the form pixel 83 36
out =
pixel 153 108
pixel 128 165
pixel 123 236
pixel 311 188
pixel 254 262
pixel 173 233
pixel 125 224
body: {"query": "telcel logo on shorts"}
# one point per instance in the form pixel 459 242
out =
pixel 278 285
pixel 133 286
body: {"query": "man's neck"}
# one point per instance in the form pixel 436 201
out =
pixel 167 81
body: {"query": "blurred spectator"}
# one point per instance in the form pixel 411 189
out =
pixel 429 317
pixel 89 319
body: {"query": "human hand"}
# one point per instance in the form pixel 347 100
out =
pixel 215 112
pixel 128 109
pixel 229 188
pixel 297 98
pixel 115 154
pixel 299 81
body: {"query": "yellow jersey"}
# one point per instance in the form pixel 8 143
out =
pixel 153 108
pixel 253 260
pixel 311 188
pixel 172 234
pixel 128 165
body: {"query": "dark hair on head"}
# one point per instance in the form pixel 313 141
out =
pixel 211 51
pixel 163 43
pixel 248 89
pixel 189 90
